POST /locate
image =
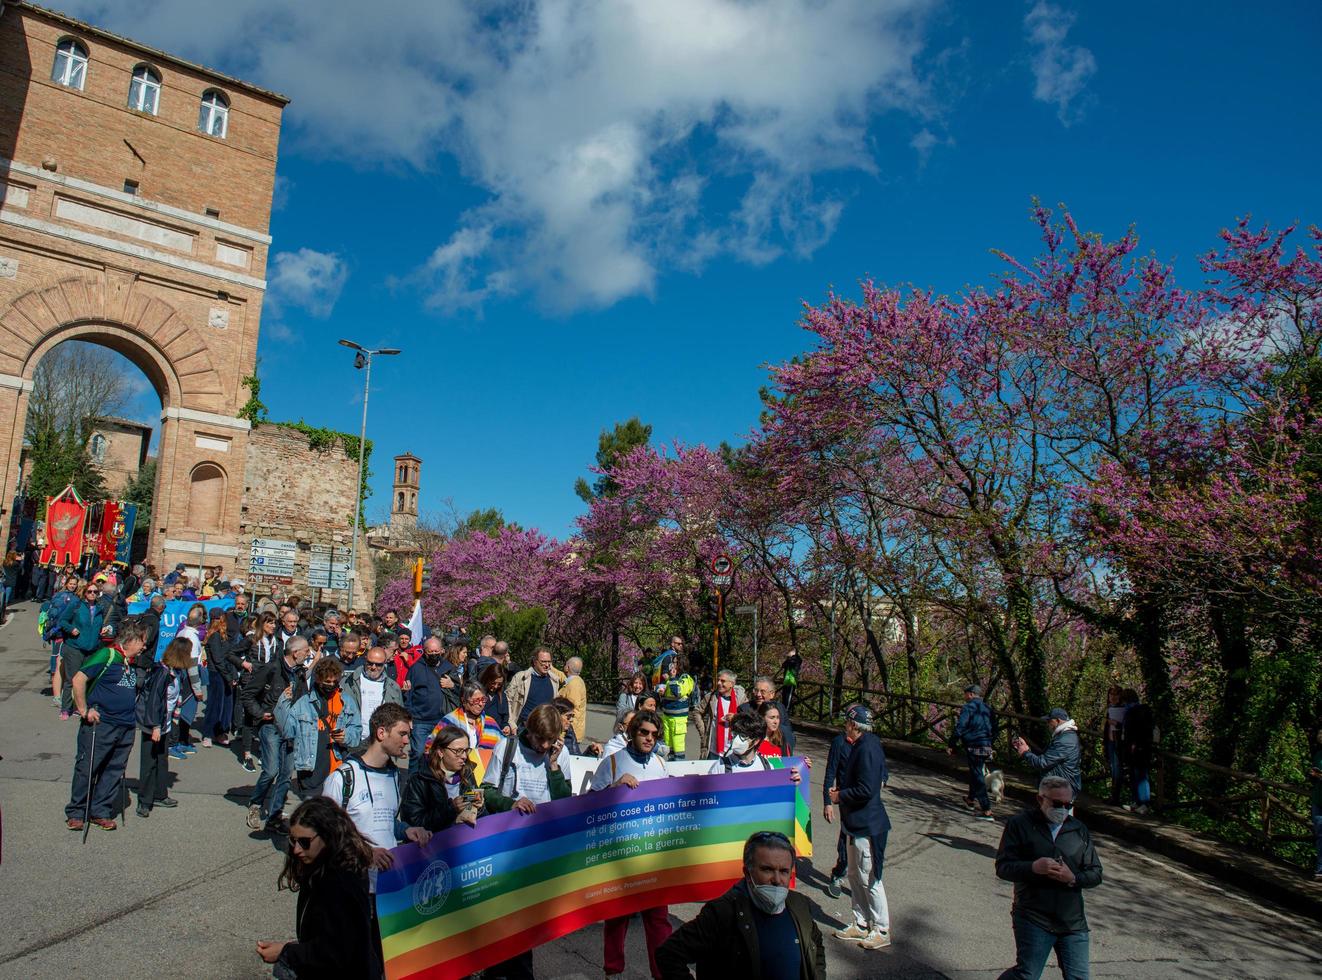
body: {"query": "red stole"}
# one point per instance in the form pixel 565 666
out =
pixel 721 731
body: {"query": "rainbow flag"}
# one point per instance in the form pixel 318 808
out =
pixel 473 897
pixel 480 754
pixel 802 811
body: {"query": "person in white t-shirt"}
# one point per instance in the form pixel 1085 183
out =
pixel 530 768
pixel 371 686
pixel 367 786
pixel 635 763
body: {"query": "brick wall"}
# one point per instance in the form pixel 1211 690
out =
pixel 293 492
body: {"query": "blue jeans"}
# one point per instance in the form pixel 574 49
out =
pixel 272 787
pixel 977 779
pixel 1033 944
pixel 1116 770
pixel 417 739
pixel 1138 779
pixel 1317 837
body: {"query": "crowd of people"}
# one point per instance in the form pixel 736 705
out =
pixel 384 740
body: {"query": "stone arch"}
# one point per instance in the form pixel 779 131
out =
pixel 144 328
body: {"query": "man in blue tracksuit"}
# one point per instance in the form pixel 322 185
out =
pixel 975 730
pixel 836 760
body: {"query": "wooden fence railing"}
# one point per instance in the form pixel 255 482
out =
pixel 1235 806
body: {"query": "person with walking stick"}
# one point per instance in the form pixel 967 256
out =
pixel 105 696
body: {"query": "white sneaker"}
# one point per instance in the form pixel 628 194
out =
pixel 876 939
pixel 852 932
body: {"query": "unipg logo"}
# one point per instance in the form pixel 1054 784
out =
pixel 432 888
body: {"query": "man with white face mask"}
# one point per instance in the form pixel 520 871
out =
pixel 758 928
pixel 747 730
pixel 1049 856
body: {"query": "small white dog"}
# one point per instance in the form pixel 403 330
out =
pixel 995 785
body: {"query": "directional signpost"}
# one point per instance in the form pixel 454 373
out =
pixel 271 561
pixel 329 567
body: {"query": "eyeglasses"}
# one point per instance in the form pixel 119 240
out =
pixel 648 732
pixel 302 843
pixel 456 749
pixel 1058 805
pixel 375 665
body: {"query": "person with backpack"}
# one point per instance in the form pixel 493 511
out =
pixel 160 689
pixel 634 764
pixel 80 627
pixel 975 728
pixel 105 696
pixel 748 730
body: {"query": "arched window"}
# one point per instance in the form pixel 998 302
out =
pixel 206 497
pixel 214 115
pixel 70 67
pixel 401 501
pixel 97 448
pixel 145 89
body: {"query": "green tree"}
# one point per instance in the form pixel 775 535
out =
pixel 612 446
pixel 60 459
pixel 141 490
pixel 489 522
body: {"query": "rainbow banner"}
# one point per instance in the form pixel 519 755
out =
pixel 802 811
pixel 474 897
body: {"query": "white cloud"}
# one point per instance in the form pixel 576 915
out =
pixel 1060 70
pixel 307 279
pixel 586 122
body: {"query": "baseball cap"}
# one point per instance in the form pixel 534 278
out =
pixel 974 689
pixel 1056 714
pixel 859 714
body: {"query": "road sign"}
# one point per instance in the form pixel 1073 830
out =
pixel 721 565
pixel 719 580
pixel 260 578
pixel 275 543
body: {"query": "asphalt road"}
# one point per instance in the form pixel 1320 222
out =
pixel 187 892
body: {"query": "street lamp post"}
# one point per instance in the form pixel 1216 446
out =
pixel 362 358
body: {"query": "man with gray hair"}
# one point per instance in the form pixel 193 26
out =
pixel 1049 855
pixel 500 653
pixel 711 716
pixel 576 693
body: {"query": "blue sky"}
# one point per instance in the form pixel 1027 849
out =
pixel 568 214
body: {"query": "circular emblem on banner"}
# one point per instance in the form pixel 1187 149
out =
pixel 432 888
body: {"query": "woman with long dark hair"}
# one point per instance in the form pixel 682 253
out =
pixel 327 869
pixel 221 679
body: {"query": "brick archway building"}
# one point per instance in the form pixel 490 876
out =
pixel 136 206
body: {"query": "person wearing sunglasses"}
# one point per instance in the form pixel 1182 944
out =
pixel 80 625
pixel 326 867
pixel 635 763
pixel 370 684
pixel 760 927
pixel 1049 855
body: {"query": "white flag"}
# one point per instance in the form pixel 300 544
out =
pixel 415 622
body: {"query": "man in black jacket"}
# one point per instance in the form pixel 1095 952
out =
pixel 864 817
pixel 759 928
pixel 1061 757
pixel 260 696
pixel 151 621
pixel 1049 856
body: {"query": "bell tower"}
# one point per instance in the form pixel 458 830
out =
pixel 404 495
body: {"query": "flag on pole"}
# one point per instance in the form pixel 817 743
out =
pixel 415 622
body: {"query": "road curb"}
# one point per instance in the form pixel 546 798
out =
pixel 1256 873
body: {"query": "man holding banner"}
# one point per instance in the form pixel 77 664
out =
pixel 634 763
pixel 758 928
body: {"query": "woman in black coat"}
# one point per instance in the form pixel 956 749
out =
pixel 327 868
pixel 445 790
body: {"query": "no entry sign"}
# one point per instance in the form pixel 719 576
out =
pixel 721 565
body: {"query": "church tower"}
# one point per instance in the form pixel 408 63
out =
pixel 404 497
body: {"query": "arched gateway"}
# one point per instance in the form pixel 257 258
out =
pixel 135 229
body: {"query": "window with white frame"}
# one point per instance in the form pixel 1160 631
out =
pixel 145 89
pixel 214 116
pixel 70 67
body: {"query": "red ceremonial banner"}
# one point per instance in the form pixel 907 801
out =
pixel 65 516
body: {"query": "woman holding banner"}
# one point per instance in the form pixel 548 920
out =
pixel 633 764
pixel 524 772
pixel 445 792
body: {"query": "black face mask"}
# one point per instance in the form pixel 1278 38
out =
pixel 432 659
pixel 325 692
